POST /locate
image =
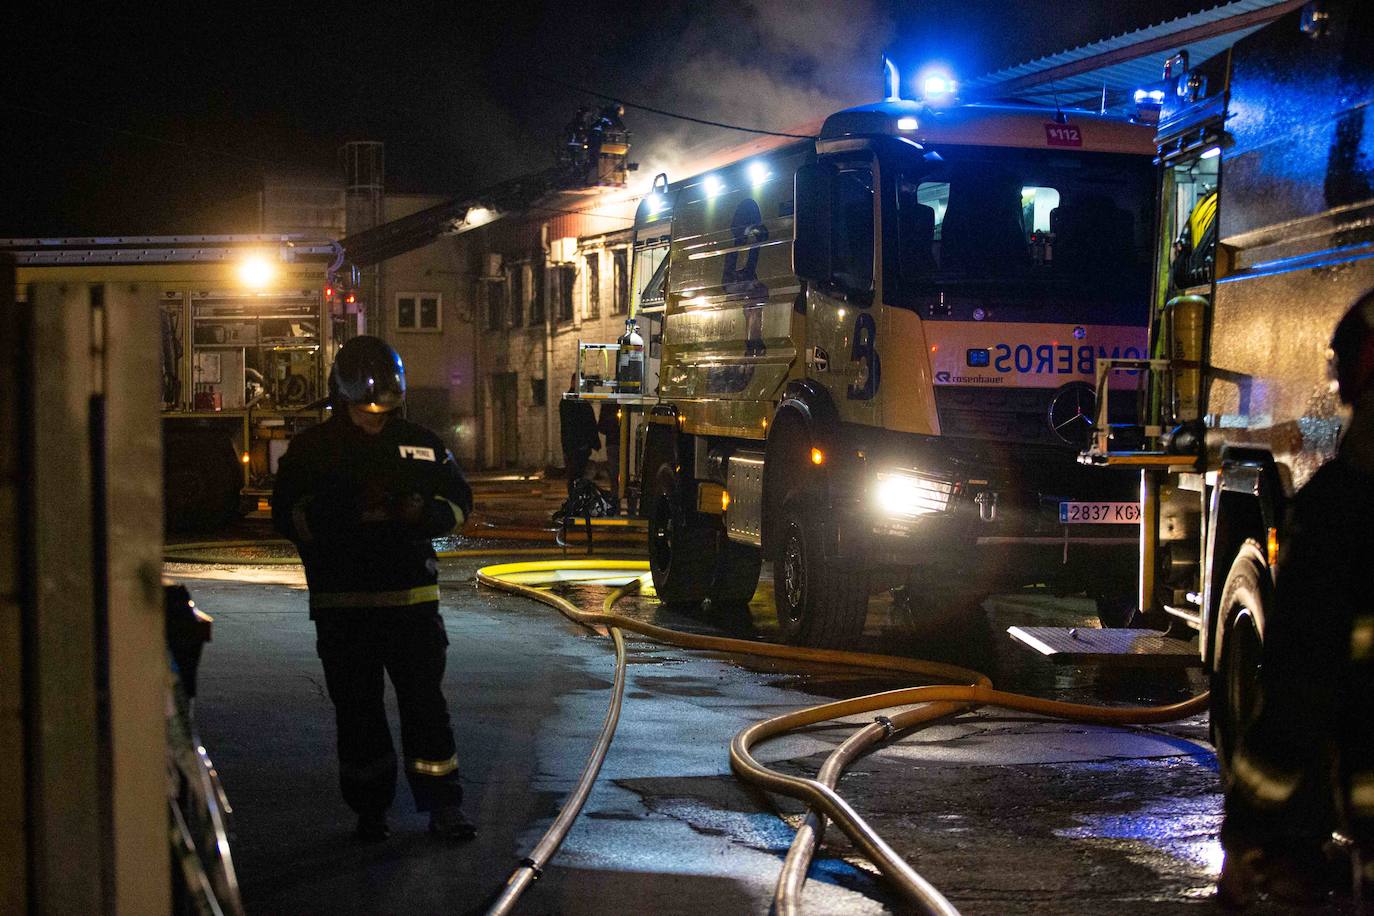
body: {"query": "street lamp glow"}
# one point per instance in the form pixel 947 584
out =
pixel 256 272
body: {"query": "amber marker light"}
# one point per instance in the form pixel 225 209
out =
pixel 817 456
pixel 724 500
pixel 1273 546
pixel 245 457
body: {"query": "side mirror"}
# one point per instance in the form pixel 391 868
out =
pixel 811 222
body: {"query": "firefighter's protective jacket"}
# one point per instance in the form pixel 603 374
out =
pixel 1306 764
pixel 362 510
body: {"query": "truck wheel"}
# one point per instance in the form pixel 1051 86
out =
pixel 682 550
pixel 819 602
pixel 737 574
pixel 1240 633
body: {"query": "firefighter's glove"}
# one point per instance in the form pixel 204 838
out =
pixel 408 509
pixel 432 517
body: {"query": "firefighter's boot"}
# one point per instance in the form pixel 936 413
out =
pixel 449 823
pixel 372 827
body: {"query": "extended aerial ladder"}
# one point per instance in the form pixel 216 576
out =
pixel 595 153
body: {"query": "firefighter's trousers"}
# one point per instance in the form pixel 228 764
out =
pixel 409 644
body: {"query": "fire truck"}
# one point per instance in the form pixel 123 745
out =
pixel 249 326
pixel 874 355
pixel 1266 204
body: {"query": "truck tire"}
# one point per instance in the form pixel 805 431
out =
pixel 682 548
pixel 820 602
pixel 1240 633
pixel 736 574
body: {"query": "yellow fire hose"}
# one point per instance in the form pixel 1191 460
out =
pixel 931 702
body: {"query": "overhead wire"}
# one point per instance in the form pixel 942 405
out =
pixel 620 100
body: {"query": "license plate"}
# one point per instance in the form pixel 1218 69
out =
pixel 1099 513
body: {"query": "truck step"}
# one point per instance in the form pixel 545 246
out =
pixel 1117 647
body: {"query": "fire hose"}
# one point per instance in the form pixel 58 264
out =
pixel 970 689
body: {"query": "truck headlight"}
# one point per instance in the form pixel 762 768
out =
pixel 910 494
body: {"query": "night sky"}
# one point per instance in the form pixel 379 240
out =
pixel 124 120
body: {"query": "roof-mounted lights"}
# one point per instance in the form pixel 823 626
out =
pixel 758 172
pixel 1148 103
pixel 712 185
pixel 936 85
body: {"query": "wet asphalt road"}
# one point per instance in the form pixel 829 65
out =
pixel 1005 813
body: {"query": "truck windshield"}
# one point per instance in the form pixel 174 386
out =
pixel 1048 224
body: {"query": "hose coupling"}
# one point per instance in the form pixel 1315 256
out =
pixel 888 728
pixel 535 871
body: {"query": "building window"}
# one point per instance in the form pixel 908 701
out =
pixel 537 293
pixel 517 295
pixel 496 304
pixel 561 280
pixel 621 263
pixel 593 285
pixel 418 311
pixel 539 392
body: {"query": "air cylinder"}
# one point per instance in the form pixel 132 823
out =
pixel 1186 317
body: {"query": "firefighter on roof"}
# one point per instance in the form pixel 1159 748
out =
pixel 361 495
pixel 1305 765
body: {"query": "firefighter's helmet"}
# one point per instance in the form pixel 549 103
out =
pixel 369 373
pixel 1352 350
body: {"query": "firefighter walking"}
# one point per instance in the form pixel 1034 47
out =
pixel 361 495
pixel 1305 766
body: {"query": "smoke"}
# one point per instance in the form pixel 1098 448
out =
pixel 761 64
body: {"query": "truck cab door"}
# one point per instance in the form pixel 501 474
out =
pixel 835 252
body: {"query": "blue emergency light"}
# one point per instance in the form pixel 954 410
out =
pixel 1148 103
